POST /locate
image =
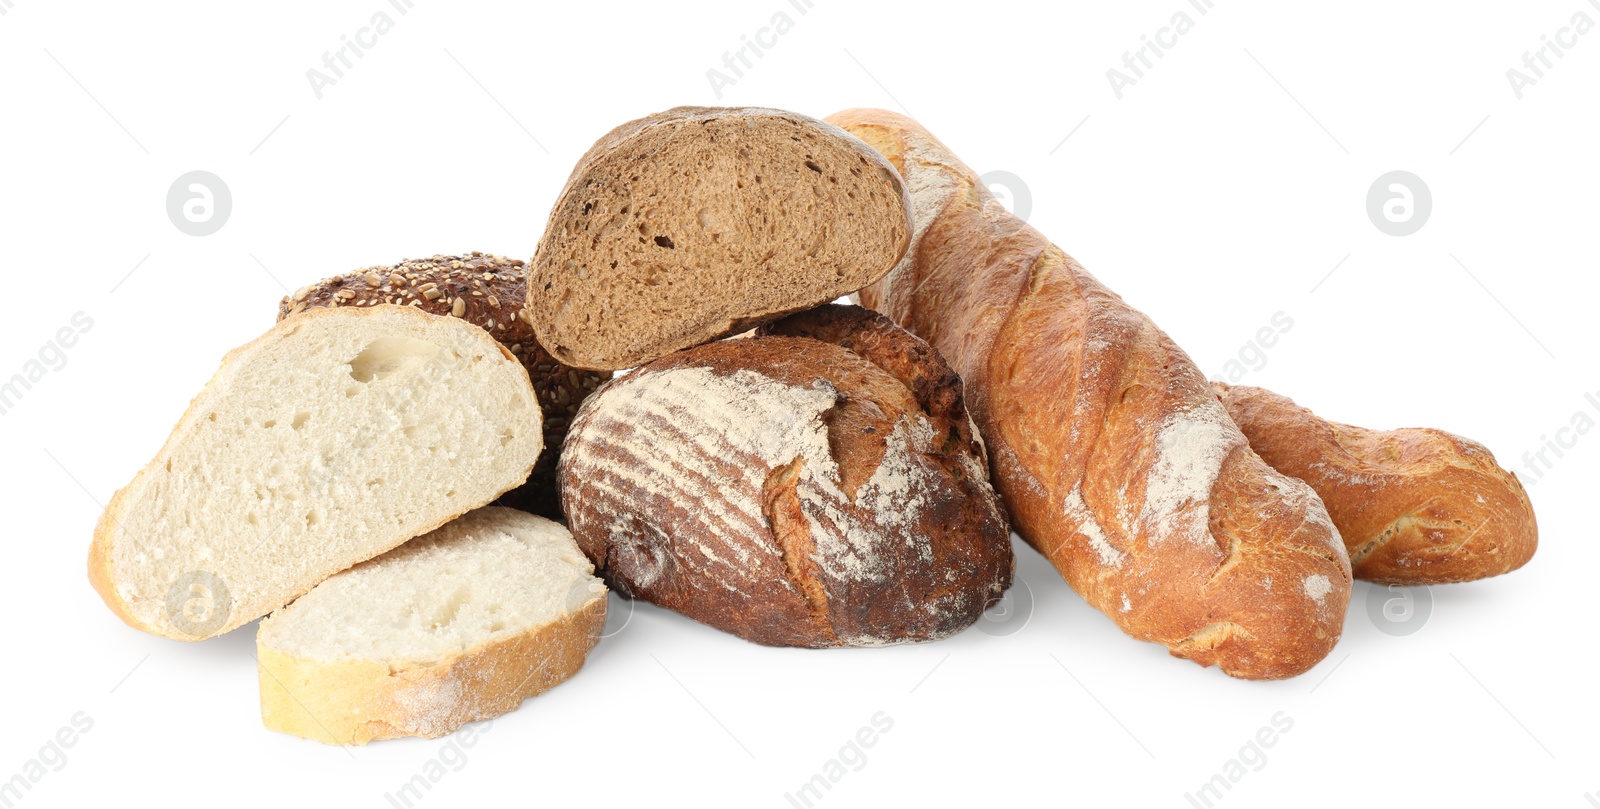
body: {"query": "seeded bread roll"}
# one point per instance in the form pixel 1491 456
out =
pixel 1112 454
pixel 456 626
pixel 791 491
pixel 701 222
pixel 490 292
pixel 1415 506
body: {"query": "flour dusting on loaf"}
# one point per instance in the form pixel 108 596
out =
pixel 1190 449
pixel 1089 527
pixel 750 416
pixel 1317 587
pixel 785 489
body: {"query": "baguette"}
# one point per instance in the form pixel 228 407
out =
pixel 489 292
pixel 1112 454
pixel 1415 506
pixel 335 436
pixel 456 626
pixel 701 222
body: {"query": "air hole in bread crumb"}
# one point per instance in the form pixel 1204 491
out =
pixel 386 355
pixel 813 166
pixel 212 417
pixel 300 419
pixel 664 241
pixel 269 423
pixel 312 518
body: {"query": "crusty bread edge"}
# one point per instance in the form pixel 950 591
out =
pixel 101 546
pixel 353 701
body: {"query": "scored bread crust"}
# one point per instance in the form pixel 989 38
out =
pixel 706 504
pixel 1414 505
pixel 354 700
pixel 489 292
pixel 102 546
pixel 1113 456
pixel 554 274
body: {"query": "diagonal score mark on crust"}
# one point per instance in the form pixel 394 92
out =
pixel 1210 636
pixel 1383 538
pixel 780 503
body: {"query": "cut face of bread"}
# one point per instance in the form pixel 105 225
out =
pixel 490 292
pixel 697 223
pixel 453 627
pixel 334 437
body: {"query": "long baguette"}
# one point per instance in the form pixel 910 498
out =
pixel 1114 457
pixel 1415 506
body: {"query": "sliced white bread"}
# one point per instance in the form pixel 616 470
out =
pixel 457 626
pixel 329 440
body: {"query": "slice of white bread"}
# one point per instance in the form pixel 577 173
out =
pixel 457 626
pixel 332 438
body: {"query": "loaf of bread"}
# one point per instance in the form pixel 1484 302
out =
pixel 490 292
pixel 1415 506
pixel 699 222
pixel 815 491
pixel 456 626
pixel 1111 453
pixel 334 437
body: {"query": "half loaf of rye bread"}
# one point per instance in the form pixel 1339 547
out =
pixel 700 222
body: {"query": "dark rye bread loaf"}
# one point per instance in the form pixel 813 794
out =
pixel 489 292
pixel 1415 506
pixel 791 491
pixel 698 222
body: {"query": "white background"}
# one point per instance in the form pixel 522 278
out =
pixel 1207 196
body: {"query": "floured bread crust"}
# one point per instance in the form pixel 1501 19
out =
pixel 789 491
pixel 1110 451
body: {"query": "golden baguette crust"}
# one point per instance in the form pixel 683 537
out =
pixel 489 292
pixel 1113 456
pixel 356 700
pixel 1415 506
pixel 791 491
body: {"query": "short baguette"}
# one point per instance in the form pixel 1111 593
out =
pixel 1113 456
pixel 456 626
pixel 1415 506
